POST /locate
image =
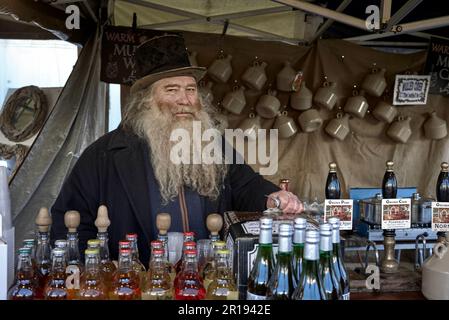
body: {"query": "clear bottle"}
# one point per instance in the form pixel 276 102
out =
pixel 223 286
pixel 299 239
pixel 56 286
pixel 282 282
pixel 92 286
pixel 126 282
pixel 188 246
pixel 328 274
pixel 190 285
pixel 31 244
pixel 24 287
pixel 43 262
pixel 188 237
pixel 337 260
pixel 158 285
pixel 310 286
pixel 107 268
pixel 137 264
pixel 209 270
pixel 263 264
pixel 333 189
pixel 389 182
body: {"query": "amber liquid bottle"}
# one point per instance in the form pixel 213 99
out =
pixel 24 286
pixel 223 285
pixel 125 283
pixel 158 285
pixel 188 237
pixel 92 286
pixel 56 287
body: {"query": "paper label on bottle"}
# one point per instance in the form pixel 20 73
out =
pixel 340 208
pixel 396 213
pixel 251 296
pixel 345 296
pixel 440 216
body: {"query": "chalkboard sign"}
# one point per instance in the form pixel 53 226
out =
pixel 117 53
pixel 437 66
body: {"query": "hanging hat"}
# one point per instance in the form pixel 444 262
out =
pixel 162 57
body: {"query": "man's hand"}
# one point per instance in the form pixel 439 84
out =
pixel 289 203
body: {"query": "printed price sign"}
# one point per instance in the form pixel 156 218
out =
pixel 342 209
pixel 396 213
pixel 440 216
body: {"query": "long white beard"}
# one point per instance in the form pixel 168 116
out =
pixel 156 128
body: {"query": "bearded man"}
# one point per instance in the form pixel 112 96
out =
pixel 130 170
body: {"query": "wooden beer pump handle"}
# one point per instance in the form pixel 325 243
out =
pixel 163 222
pixel 102 222
pixel 43 220
pixel 72 220
pixel 214 223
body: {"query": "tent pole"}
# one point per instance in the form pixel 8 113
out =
pixel 329 22
pixel 402 13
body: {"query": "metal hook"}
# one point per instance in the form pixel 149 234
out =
pixel 420 254
pixel 376 253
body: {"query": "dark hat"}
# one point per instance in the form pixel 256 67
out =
pixel 162 57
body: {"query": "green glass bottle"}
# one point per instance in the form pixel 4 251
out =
pixel 282 282
pixel 327 271
pixel 299 238
pixel 263 264
pixel 337 261
pixel 310 286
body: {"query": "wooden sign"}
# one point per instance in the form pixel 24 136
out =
pixel 117 53
pixel 437 66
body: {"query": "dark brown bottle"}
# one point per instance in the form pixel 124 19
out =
pixel 389 182
pixel 333 189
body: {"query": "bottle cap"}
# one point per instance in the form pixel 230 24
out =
pixel 125 251
pixel 217 244
pixel 102 222
pixel 189 234
pixel 61 243
pixel 390 165
pixel 300 223
pixel 93 243
pixel 224 252
pixel 444 166
pixel 24 250
pixel 43 220
pixel 285 230
pixel 124 244
pixel 156 244
pixel 190 253
pixel 326 229
pixel 91 252
pixel 335 222
pixel 266 223
pixel 163 222
pixel 131 236
pixel 29 242
pixel 72 220
pixel 158 252
pixel 332 167
pixel 214 223
pixel 58 252
pixel 312 236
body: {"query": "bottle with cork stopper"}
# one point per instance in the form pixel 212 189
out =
pixel 74 266
pixel 163 224
pixel 214 223
pixel 107 268
pixel 43 250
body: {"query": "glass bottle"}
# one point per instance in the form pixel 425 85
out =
pixel 282 282
pixel 190 285
pixel 333 189
pixel 299 239
pixel 107 268
pixel 158 285
pixel 327 272
pixel 263 264
pixel 223 286
pixel 125 283
pixel 209 270
pixel 337 260
pixel 137 264
pixel 56 286
pixel 310 286
pixel 188 237
pixel 31 243
pixel 92 286
pixel 389 182
pixel 189 245
pixel 442 188
pixel 43 262
pixel 24 285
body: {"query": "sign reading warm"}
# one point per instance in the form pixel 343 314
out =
pixel 437 65
pixel 117 53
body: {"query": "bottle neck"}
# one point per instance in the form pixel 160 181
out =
pixel 58 264
pixel 325 244
pixel 157 264
pixel 164 239
pixel 265 236
pixel 24 264
pixel 125 262
pixel 190 264
pixel 285 244
pixel 299 237
pixel 72 250
pixel 104 246
pixel 336 236
pixel 92 263
pixel 223 268
pixel 43 250
pixel 311 251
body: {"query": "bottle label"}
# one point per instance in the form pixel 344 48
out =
pixel 345 296
pixel 340 208
pixel 440 216
pixel 251 296
pixel 395 213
